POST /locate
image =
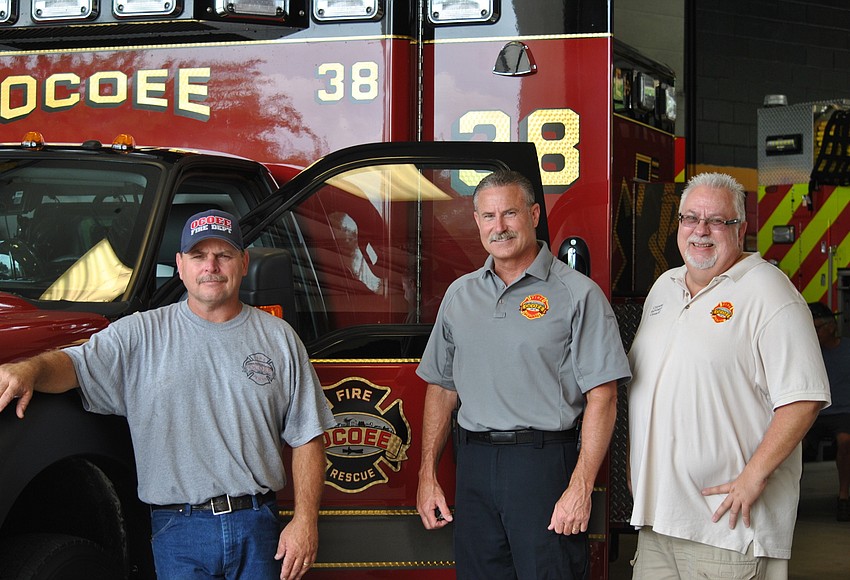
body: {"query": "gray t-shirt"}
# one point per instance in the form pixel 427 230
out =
pixel 208 404
pixel 523 356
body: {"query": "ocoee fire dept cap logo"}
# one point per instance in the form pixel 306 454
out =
pixel 722 312
pixel 534 306
pixel 366 437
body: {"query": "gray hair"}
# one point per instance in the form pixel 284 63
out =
pixel 722 182
pixel 504 178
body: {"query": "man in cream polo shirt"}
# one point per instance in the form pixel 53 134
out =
pixel 727 379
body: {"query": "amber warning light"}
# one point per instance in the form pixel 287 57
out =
pixel 33 140
pixel 123 143
pixel 275 310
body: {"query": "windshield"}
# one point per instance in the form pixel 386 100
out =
pixel 70 229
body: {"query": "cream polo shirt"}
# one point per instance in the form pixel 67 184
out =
pixel 708 371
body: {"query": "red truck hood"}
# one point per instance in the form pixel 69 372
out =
pixel 26 330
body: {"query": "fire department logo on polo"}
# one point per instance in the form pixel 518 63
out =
pixel 534 306
pixel 722 312
pixel 367 436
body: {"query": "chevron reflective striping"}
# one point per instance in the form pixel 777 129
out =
pixel 837 234
pixel 805 261
pixel 814 290
pixel 782 212
pixel 809 240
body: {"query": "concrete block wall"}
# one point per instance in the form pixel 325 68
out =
pixel 741 50
pixel 746 50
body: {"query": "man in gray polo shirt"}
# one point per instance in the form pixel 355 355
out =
pixel 523 347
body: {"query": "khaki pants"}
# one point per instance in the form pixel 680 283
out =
pixel 660 557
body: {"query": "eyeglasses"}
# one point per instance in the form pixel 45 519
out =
pixel 714 223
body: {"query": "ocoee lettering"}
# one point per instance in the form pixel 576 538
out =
pixel 368 436
pixel 215 222
pixel 19 94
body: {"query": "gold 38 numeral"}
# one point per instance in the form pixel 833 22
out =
pixel 555 133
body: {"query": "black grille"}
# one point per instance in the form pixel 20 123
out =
pixel 628 318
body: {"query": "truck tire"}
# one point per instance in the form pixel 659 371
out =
pixel 56 557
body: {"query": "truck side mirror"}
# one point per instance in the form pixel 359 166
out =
pixel 575 254
pixel 269 282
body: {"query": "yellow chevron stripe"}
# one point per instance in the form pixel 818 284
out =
pixel 808 241
pixel 781 215
pixel 814 290
pixel 836 204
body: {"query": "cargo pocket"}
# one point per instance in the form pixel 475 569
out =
pixel 723 570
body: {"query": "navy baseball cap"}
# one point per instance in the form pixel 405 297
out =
pixel 212 223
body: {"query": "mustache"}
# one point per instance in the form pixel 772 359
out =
pixel 212 278
pixel 695 239
pixel 503 236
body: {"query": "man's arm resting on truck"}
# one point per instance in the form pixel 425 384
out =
pixel 299 540
pixel 50 372
pixel 436 426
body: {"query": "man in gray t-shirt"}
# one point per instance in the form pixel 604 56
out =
pixel 211 389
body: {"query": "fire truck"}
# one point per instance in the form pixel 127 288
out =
pixel 803 220
pixel 229 102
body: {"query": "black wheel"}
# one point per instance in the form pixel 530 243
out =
pixel 56 557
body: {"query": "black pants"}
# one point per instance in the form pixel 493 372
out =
pixel 503 504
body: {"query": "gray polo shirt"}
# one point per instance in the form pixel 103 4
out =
pixel 523 356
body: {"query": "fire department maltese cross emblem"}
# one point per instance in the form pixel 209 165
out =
pixel 367 436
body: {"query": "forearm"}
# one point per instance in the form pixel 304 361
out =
pixel 308 478
pixel 436 426
pixel 789 425
pixel 597 427
pixel 571 513
pixel 50 372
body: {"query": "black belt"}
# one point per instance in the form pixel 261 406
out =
pixel 223 504
pixel 520 437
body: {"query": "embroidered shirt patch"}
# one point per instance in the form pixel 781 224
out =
pixel 722 312
pixel 534 306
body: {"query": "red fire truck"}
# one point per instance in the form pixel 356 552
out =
pixel 366 247
pixel 803 219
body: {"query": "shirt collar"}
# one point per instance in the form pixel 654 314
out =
pixel 735 273
pixel 539 268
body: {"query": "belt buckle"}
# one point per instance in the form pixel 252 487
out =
pixel 502 437
pixel 222 512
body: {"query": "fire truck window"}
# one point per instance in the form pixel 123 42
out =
pixel 69 229
pixel 378 245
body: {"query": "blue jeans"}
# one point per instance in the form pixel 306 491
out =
pixel 195 544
